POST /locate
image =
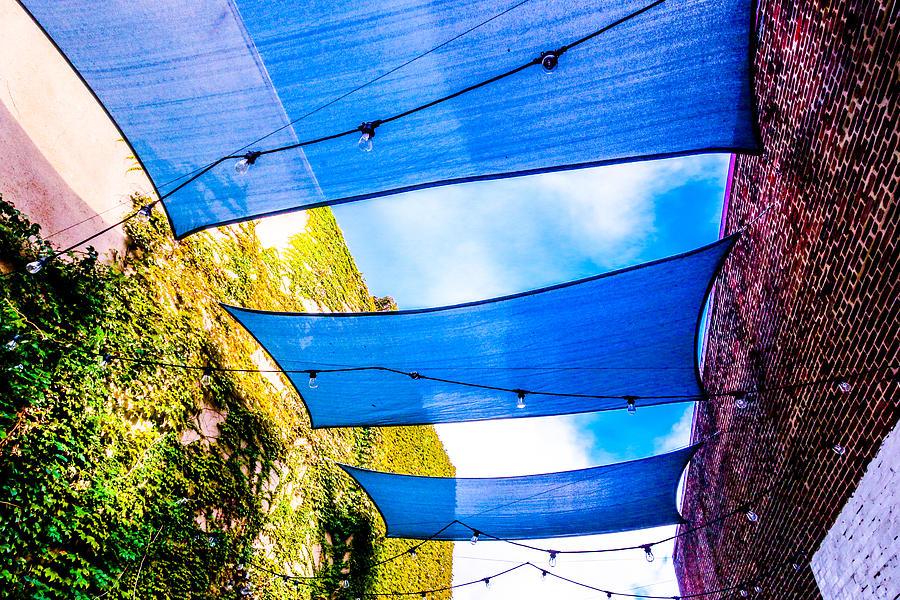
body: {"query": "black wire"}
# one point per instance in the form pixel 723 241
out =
pixel 532 62
pixel 364 85
pixel 544 571
pixel 197 174
pixel 415 547
pixel 417 375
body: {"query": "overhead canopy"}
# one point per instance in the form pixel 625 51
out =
pixel 619 497
pixel 631 332
pixel 191 82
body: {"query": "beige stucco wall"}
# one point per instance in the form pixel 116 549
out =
pixel 62 160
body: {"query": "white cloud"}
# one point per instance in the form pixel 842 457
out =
pixel 478 240
pixel 516 446
pixel 679 436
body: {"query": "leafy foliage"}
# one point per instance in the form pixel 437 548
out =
pixel 129 478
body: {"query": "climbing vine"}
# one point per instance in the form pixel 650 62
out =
pixel 124 479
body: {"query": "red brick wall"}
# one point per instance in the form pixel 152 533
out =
pixel 809 292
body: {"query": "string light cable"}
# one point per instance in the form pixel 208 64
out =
pixel 548 61
pixel 362 86
pixel 742 396
pixel 424 593
pixel 745 507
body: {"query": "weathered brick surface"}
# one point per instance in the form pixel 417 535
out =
pixel 810 291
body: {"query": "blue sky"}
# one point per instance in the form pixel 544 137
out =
pixel 480 240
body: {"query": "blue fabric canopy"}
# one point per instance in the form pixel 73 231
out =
pixel 618 497
pixel 191 82
pixel 631 332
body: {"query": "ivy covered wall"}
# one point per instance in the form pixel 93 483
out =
pixel 122 476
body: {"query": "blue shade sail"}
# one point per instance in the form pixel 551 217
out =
pixel 191 82
pixel 631 332
pixel 612 498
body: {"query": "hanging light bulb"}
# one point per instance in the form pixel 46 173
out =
pixel 648 553
pixel 144 212
pixel 752 516
pixel 367 131
pixel 242 166
pixel 839 450
pixel 845 386
pixel 520 403
pixel 552 560
pixel 345 583
pixel 206 377
pixel 757 589
pixel 424 596
pixel 631 407
pixel 740 400
pixel 313 383
pixel 412 552
pixel 549 61
pixel 487 582
pixel 474 539
pixel 609 594
pixel 543 574
pixel 13 342
pixel 229 586
pixel 34 266
pixel 744 593
pixel 107 360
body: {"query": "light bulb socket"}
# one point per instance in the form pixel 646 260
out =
pixel 415 375
pixel 520 395
pixel 845 387
pixel 368 128
pixel 144 212
pixel 549 61
pixel 251 156
pixel 629 404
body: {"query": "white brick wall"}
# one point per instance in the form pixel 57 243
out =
pixel 860 557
